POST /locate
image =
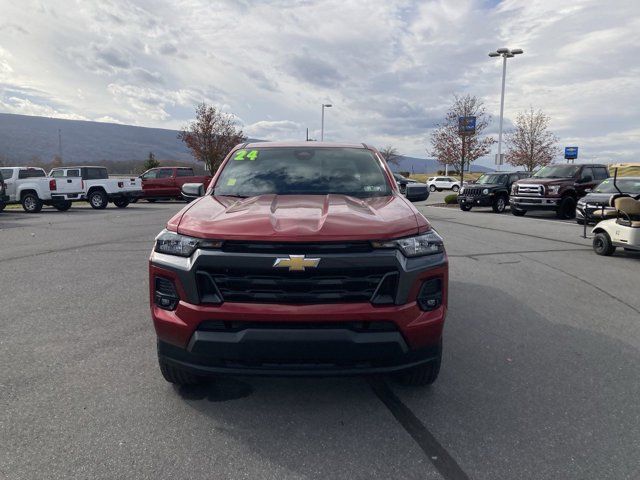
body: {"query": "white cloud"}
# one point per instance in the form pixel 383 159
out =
pixel 389 67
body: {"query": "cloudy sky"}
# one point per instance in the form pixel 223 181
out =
pixel 390 68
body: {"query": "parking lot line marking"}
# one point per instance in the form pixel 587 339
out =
pixel 575 277
pixel 520 252
pixel 437 454
pixel 510 232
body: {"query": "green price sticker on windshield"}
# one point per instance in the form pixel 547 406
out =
pixel 243 154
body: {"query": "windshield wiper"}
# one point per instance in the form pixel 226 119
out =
pixel 229 195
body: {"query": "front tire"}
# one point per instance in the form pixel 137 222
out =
pixel 518 213
pixel 98 200
pixel 567 208
pixel 121 203
pixel 465 208
pixel 432 188
pixel 62 206
pixel 455 188
pixel 177 375
pixel 31 203
pixel 602 244
pixel 422 375
pixel 499 204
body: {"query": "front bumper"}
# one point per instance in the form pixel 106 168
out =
pixel 534 203
pixel 299 339
pixel 476 201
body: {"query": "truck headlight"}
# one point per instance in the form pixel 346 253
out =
pixel 173 243
pixel 485 191
pixel 514 189
pixel 428 243
pixel 462 190
pixel 554 189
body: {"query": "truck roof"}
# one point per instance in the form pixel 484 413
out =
pixel 78 166
pixel 301 144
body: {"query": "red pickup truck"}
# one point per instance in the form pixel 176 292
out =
pixel 166 182
pixel 301 259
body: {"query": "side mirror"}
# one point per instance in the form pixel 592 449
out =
pixel 191 191
pixel 417 192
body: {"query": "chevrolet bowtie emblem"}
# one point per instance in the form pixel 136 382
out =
pixel 296 263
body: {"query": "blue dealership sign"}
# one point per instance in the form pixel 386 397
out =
pixel 570 153
pixel 466 125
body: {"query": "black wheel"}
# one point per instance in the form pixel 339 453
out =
pixel 602 244
pixel 455 188
pixel 499 204
pixel 567 208
pixel 518 213
pixel 2 206
pixel 62 206
pixel 31 203
pixel 432 188
pixel 177 375
pixel 464 207
pixel 424 374
pixel 98 200
pixel 151 200
pixel 121 203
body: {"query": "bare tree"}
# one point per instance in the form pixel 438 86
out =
pixel 391 155
pixel 531 144
pixel 211 136
pixel 450 147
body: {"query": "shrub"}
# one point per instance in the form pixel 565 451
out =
pixel 451 199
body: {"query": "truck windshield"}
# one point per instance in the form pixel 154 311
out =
pixel 557 171
pixel 627 185
pixel 492 178
pixel 303 171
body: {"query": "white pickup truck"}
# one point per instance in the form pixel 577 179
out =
pixel 32 188
pixel 99 189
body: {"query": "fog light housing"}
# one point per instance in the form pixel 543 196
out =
pixel 430 296
pixel 165 296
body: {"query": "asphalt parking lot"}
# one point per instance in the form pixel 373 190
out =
pixel 539 379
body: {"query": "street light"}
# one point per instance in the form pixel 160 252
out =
pixel 504 53
pixel 327 105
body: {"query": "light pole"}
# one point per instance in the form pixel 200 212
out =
pixel 327 105
pixel 504 53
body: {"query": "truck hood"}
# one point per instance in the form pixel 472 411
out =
pixel 299 218
pixel 544 181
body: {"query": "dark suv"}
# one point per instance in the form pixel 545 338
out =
pixel 556 187
pixel 491 190
pixel 4 198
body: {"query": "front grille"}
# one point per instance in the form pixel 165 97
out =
pixel 472 192
pixel 535 190
pixel 349 284
pixel 296 248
